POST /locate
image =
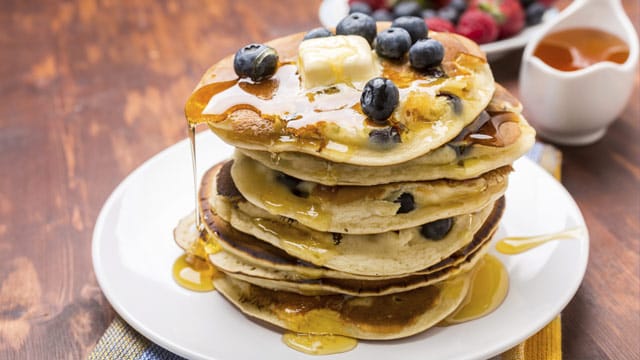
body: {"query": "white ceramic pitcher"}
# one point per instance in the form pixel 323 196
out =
pixel 576 107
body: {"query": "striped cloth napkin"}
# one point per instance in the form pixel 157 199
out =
pixel 120 341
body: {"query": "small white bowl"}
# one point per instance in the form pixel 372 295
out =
pixel 576 107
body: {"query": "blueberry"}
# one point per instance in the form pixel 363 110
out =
pixel 361 7
pixel 454 101
pixel 459 5
pixel 358 24
pixel 393 43
pixel 416 26
pixel 256 61
pixel 526 3
pixel 449 13
pixel 385 137
pixel 407 204
pixel 379 98
pixel 428 13
pixel 292 184
pixel 534 13
pixel 337 238
pixel 426 53
pixel 317 33
pixel 437 230
pixel 407 8
pixel 382 15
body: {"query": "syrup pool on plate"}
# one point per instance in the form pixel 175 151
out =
pixel 319 344
pixel 194 273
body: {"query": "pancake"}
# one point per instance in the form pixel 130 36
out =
pixel 379 287
pixel 383 254
pixel 376 318
pixel 280 114
pixel 357 209
pixel 456 160
pixel 247 254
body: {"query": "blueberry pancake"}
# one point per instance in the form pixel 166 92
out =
pixel 368 179
pixel 316 102
pixel 358 209
pixel 497 137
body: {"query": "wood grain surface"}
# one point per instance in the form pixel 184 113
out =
pixel 90 89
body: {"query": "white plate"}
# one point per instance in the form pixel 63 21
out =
pixel 133 252
pixel 332 11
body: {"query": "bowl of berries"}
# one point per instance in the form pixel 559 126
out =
pixel 499 26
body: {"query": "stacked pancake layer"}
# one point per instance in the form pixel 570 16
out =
pixel 323 230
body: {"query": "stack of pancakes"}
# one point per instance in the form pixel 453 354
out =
pixel 326 229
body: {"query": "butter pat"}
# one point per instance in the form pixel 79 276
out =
pixel 337 59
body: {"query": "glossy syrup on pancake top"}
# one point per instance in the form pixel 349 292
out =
pixel 278 114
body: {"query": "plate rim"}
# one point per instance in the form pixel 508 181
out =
pixel 183 351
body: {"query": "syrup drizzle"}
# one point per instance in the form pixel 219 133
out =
pixel 319 344
pixel 192 270
pixel 518 244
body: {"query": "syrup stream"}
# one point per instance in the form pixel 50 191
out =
pixel 191 129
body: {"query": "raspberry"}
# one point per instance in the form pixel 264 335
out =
pixel 508 14
pixel 514 18
pixel 440 25
pixel 478 26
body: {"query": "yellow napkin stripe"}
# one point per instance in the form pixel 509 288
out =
pixel 546 344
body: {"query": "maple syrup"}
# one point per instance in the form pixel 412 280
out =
pixel 194 273
pixel 192 270
pixel 191 130
pixel 518 244
pixel 575 49
pixel 322 344
pixel 489 286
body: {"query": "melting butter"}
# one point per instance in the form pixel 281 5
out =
pixel 336 59
pixel 314 344
pixel 518 244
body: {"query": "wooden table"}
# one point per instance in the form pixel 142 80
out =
pixel 91 89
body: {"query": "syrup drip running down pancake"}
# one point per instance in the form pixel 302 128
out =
pixel 280 114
